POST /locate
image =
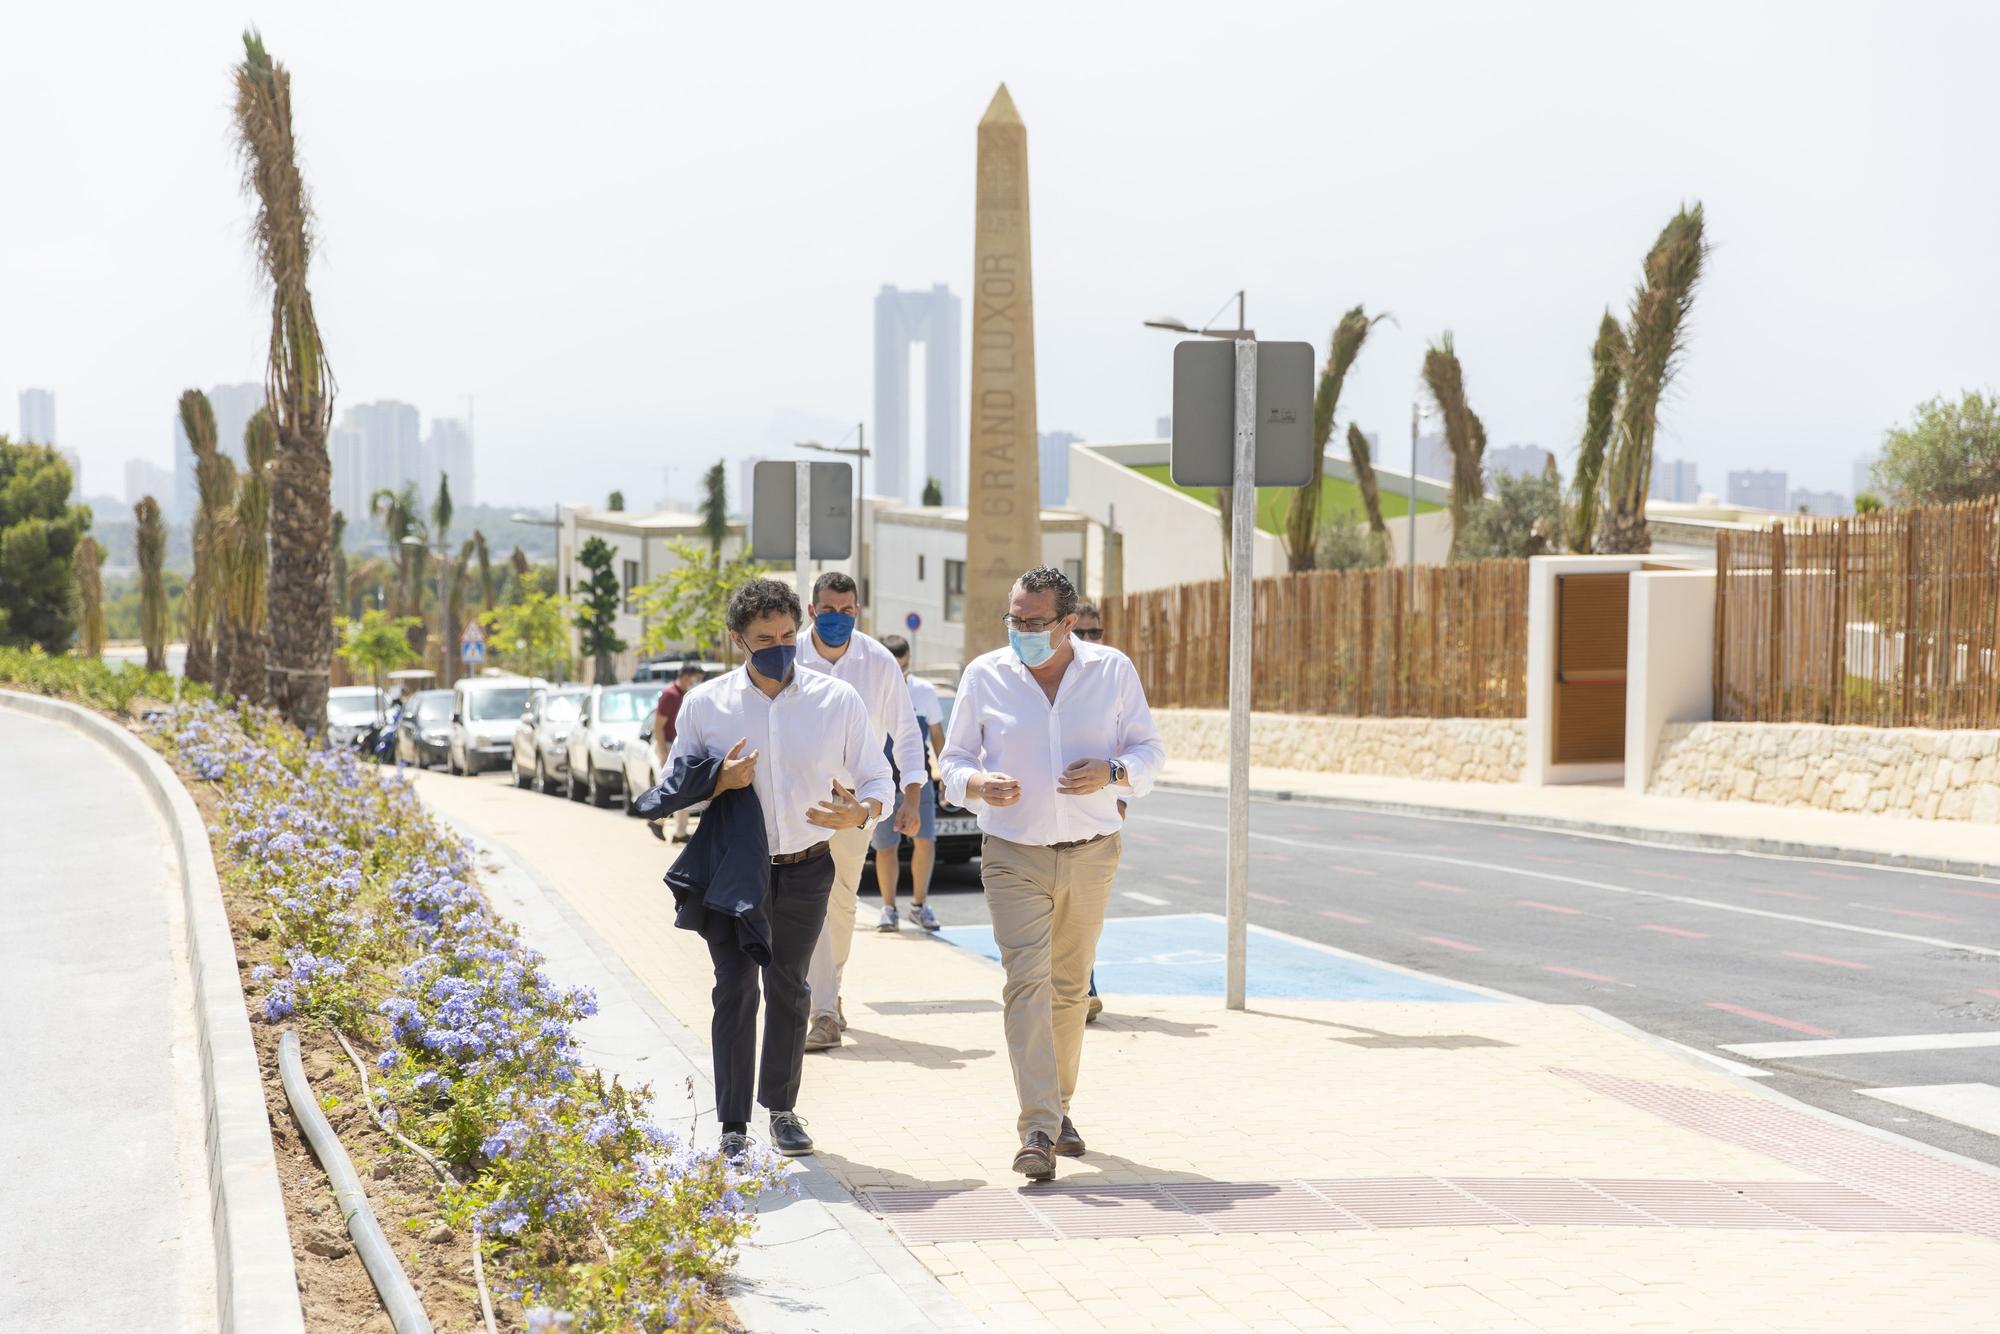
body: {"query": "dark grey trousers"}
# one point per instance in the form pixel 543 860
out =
pixel 796 910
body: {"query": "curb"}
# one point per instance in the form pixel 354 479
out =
pixel 256 1285
pixel 820 1263
pixel 1679 838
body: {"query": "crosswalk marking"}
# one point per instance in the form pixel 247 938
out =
pixel 1864 1046
pixel 1974 1105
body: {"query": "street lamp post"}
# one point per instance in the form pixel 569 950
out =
pixel 1417 413
pixel 859 453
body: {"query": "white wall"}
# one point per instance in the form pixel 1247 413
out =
pixel 1670 649
pixel 902 536
pixel 1170 538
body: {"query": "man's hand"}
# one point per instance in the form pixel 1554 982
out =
pixel 839 811
pixel 1084 777
pixel 995 789
pixel 909 811
pixel 737 768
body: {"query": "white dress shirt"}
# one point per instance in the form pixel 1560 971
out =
pixel 1003 723
pixel 924 699
pixel 872 671
pixel 815 731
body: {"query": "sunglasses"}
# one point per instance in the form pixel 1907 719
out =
pixel 1095 636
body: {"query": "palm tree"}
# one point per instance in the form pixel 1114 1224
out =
pixel 715 511
pixel 484 557
pixel 522 568
pixel 1302 518
pixel 151 535
pixel 298 384
pixel 1362 459
pixel 458 583
pixel 441 526
pixel 1659 314
pixel 1607 372
pixel 1464 433
pixel 396 511
pixel 368 586
pixel 90 598
pixel 215 478
pixel 247 566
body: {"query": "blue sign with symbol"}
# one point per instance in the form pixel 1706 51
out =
pixel 914 621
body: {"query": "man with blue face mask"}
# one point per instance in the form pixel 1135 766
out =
pixel 1048 738
pixel 836 648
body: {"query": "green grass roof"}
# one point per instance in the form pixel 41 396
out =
pixel 1337 496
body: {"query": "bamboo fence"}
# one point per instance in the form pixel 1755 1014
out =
pixel 1889 619
pixel 1452 643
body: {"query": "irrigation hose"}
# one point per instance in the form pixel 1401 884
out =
pixel 399 1299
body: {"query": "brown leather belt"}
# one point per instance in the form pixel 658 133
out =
pixel 790 858
pixel 1078 843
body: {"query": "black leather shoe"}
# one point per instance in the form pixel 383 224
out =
pixel 1069 1144
pixel 734 1144
pixel 1036 1160
pixel 788 1135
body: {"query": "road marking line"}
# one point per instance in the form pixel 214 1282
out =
pixel 1539 906
pixel 1662 895
pixel 1787 894
pixel 1347 870
pixel 1657 875
pixel 1143 838
pixel 1274 856
pixel 1553 861
pixel 1374 838
pixel 1149 900
pixel 1974 893
pixel 1974 1105
pixel 1451 944
pixel 1989 991
pixel 1438 884
pixel 1868 1046
pixel 1825 959
pixel 1576 972
pixel 1911 912
pixel 1674 931
pixel 1269 898
pixel 1183 879
pixel 1744 1049
pixel 1826 874
pixel 1517 838
pixel 1343 917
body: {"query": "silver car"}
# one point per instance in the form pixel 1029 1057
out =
pixel 484 710
pixel 351 711
pixel 613 718
pixel 541 738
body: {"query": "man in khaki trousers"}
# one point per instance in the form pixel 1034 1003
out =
pixel 1048 736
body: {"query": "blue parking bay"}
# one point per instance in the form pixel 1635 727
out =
pixel 1183 955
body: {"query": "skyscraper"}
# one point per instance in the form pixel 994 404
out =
pixel 38 417
pixel 234 405
pixel 1054 447
pixel 147 479
pixel 1674 479
pixel 376 447
pixel 448 448
pixel 1516 460
pixel 1759 489
pixel 932 318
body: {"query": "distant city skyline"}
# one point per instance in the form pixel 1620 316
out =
pixel 382 446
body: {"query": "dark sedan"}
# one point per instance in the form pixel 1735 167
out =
pixel 424 735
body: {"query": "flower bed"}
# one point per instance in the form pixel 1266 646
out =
pixel 588 1210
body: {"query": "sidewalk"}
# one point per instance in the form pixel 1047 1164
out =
pixel 103 1172
pixel 1471 1165
pixel 1935 845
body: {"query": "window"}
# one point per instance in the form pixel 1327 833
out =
pixel 1074 569
pixel 631 581
pixel 954 590
pixel 920 567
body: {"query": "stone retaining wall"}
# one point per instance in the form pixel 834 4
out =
pixel 1490 750
pixel 1905 771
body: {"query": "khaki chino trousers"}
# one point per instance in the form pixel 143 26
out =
pixel 1047 906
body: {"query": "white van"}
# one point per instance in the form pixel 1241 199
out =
pixel 484 710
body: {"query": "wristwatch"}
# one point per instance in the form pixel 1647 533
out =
pixel 1117 771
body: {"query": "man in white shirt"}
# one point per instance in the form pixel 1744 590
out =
pixel 837 649
pixel 804 744
pixel 1047 737
pixel 923 844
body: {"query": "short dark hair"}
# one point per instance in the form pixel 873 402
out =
pixel 689 668
pixel 758 598
pixel 1046 578
pixel 1087 611
pixel 834 581
pixel 897 645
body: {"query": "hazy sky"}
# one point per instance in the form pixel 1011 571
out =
pixel 644 236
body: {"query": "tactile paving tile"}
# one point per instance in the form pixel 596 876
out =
pixel 1834 1208
pixel 1110 1211
pixel 987 1213
pixel 1259 1206
pixel 1693 1203
pixel 1408 1202
pixel 1553 1201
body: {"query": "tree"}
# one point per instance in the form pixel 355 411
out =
pixel 369 584
pixel 1607 373
pixel 1302 518
pixel 715 510
pixel 215 486
pixel 615 502
pixel 1655 330
pixel 376 643
pixel 457 581
pixel 933 493
pixel 39 533
pixel 1363 462
pixel 485 560
pixel 518 562
pixel 246 567
pixel 151 535
pixel 1464 433
pixel 298 384
pixel 596 618
pixel 1950 452
pixel 396 511
pixel 1867 503
pixel 89 598
pixel 689 604
pixel 531 636
pixel 1522 517
pixel 1345 544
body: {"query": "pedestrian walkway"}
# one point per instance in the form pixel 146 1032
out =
pixel 103 1182
pixel 1323 1161
pixel 1947 845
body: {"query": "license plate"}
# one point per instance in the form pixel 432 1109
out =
pixel 957 824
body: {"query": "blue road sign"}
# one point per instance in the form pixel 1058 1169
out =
pixel 913 621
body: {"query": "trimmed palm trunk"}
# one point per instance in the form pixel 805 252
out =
pixel 1464 433
pixel 246 587
pixel 1656 333
pixel 1302 517
pixel 1363 462
pixel 298 385
pixel 151 535
pixel 1607 373
pixel 214 476
pixel 90 598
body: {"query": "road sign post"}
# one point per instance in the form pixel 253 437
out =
pixel 1262 437
pixel 472 644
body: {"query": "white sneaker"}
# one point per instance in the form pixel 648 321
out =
pixel 888 919
pixel 924 917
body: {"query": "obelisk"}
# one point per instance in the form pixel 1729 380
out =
pixel 1003 526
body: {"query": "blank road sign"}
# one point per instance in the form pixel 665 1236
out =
pixel 774 518
pixel 1205 413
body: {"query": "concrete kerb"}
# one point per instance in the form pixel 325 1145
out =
pixel 257 1286
pixel 1679 838
pixel 820 1262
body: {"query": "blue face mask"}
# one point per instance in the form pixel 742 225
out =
pixel 834 628
pixel 1033 649
pixel 774 663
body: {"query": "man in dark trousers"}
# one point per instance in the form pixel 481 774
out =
pixel 664 714
pixel 803 746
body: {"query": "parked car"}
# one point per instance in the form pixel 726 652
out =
pixel 541 738
pixel 484 710
pixel 641 763
pixel 351 711
pixel 957 828
pixel 423 738
pixel 613 717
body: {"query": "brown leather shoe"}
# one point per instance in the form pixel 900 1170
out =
pixel 1069 1144
pixel 1036 1160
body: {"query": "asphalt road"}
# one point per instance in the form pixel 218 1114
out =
pixel 1706 949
